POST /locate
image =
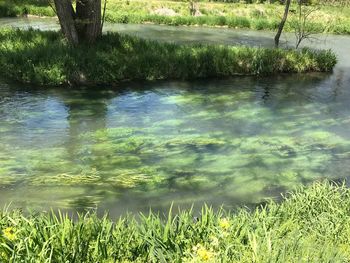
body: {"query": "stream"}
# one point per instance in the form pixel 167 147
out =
pixel 231 142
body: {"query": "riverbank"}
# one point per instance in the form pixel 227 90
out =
pixel 326 19
pixel 44 58
pixel 311 225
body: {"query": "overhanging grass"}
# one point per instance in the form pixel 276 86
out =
pixel 311 225
pixel 45 58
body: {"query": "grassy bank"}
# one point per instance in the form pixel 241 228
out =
pixel 330 18
pixel 44 58
pixel 311 225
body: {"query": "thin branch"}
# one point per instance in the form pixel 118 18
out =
pixel 104 14
pixel 52 6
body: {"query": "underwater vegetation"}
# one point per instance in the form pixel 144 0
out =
pixel 162 144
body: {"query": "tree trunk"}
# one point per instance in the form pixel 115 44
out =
pixel 66 16
pixel 88 21
pixel 283 21
pixel 82 25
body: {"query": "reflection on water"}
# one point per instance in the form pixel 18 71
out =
pixel 234 141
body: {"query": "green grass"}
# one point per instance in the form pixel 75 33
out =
pixel 310 225
pixel 330 18
pixel 11 8
pixel 45 58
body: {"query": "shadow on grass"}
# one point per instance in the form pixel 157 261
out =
pixel 44 58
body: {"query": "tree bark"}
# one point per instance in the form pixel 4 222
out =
pixel 88 21
pixel 82 25
pixel 66 16
pixel 283 21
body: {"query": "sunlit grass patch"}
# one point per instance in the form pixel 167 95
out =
pixel 330 18
pixel 311 224
pixel 45 58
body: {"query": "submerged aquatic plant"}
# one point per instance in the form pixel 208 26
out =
pixel 208 152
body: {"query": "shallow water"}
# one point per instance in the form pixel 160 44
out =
pixel 233 142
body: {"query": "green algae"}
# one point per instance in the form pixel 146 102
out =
pixel 109 133
pixel 7 180
pixel 196 182
pixel 65 179
pixel 197 142
pixel 113 149
pixel 130 178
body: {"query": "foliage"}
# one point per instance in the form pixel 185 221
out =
pixel 44 58
pixel 310 225
pixel 11 8
pixel 329 2
pixel 302 28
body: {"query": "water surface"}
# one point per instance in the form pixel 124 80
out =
pixel 233 141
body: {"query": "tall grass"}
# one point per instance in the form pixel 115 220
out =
pixel 332 18
pixel 45 58
pixel 11 8
pixel 310 225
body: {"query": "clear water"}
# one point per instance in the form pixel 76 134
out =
pixel 233 142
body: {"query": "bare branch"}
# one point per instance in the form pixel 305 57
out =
pixel 302 29
pixel 104 14
pixel 51 4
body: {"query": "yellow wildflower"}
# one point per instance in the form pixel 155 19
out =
pixel 224 223
pixel 202 253
pixel 9 233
